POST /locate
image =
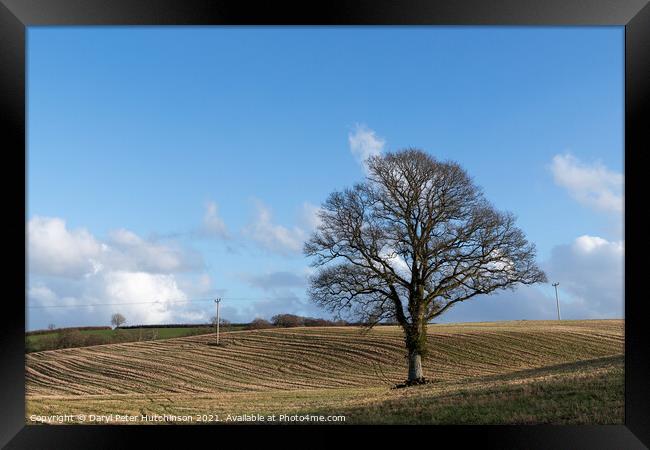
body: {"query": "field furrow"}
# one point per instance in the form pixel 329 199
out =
pixel 314 358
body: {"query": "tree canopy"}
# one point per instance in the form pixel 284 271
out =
pixel 412 240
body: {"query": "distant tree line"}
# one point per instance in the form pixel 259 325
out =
pixel 73 337
pixel 54 329
pixel 293 320
pixel 168 325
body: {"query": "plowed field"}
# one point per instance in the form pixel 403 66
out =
pixel 322 369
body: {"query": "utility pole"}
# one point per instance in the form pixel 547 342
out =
pixel 217 301
pixel 557 300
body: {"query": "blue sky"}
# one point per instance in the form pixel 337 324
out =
pixel 187 162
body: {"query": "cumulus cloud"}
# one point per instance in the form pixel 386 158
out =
pixel 364 143
pixel 133 287
pixel 142 297
pixel 213 224
pixel 590 271
pixel 271 236
pixel 592 185
pixel 74 268
pixel 54 250
pixel 43 294
pixel 591 277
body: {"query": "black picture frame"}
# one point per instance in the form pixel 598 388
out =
pixel 16 15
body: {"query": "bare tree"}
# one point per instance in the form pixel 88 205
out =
pixel 51 326
pixel 408 243
pixel 117 319
pixel 259 323
pixel 287 320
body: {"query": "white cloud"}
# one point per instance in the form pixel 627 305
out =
pixel 273 237
pixel 590 244
pixel 198 286
pixel 213 224
pixel 592 185
pixel 591 277
pixel 54 250
pixel 309 216
pixel 42 294
pixel 590 270
pixel 72 267
pixel 141 287
pixel 143 298
pixel 364 143
pixel 127 250
pixel 396 262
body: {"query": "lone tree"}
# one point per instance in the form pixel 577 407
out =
pixel 408 243
pixel 117 319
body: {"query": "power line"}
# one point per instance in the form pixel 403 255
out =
pixel 162 302
pixel 116 304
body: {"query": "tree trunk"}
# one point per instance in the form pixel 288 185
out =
pixel 415 366
pixel 416 337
